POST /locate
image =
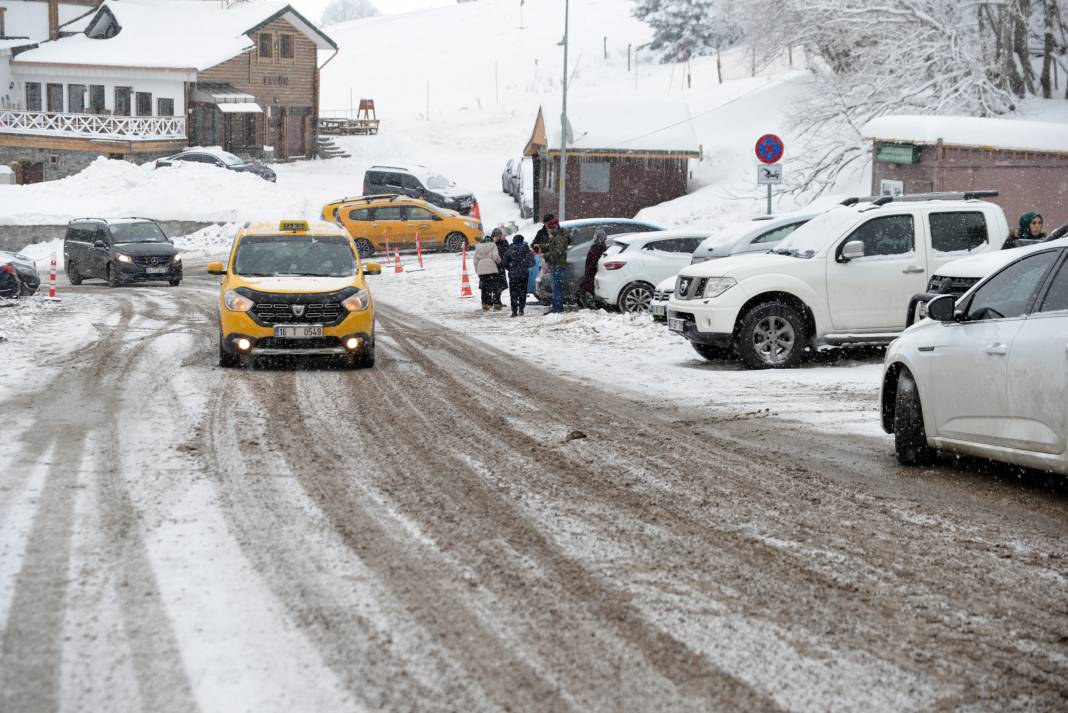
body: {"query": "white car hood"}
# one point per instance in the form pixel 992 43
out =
pixel 451 191
pixel 298 284
pixel 987 263
pixel 742 265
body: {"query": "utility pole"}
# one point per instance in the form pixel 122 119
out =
pixel 563 123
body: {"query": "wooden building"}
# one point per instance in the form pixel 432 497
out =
pixel 622 156
pixel 1025 161
pixel 140 79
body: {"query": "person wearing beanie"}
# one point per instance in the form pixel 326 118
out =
pixel 487 263
pixel 541 238
pixel 517 261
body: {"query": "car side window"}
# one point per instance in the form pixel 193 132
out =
pixel 1011 293
pixel 390 212
pixel 582 234
pixel 410 182
pixel 394 180
pixel 775 235
pixel 885 235
pixel 957 231
pixel 376 179
pixel 360 214
pixel 1056 299
pixel 417 213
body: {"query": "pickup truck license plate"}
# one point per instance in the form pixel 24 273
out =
pixel 302 332
pixel 156 270
pixel 676 325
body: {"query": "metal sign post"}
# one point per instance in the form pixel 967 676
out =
pixel 769 149
pixel 562 202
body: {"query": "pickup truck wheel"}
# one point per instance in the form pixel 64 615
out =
pixel 772 336
pixel 365 248
pixel 454 242
pixel 711 352
pixel 910 437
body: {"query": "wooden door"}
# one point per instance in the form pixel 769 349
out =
pixel 295 131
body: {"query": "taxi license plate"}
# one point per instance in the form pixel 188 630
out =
pixel 301 332
pixel 658 310
pixel 676 325
pixel 156 270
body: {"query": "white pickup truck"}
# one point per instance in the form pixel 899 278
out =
pixel 845 277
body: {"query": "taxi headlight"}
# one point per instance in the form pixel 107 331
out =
pixel 357 302
pixel 236 303
pixel 716 286
pixel 123 258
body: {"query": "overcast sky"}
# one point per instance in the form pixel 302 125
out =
pixel 313 9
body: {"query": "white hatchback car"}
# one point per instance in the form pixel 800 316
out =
pixel 987 375
pixel 633 264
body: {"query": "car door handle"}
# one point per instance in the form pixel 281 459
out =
pixel 912 270
pixel 997 349
pixel 424 227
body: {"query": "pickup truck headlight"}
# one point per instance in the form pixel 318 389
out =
pixel 716 286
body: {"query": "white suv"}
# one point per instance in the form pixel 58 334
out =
pixel 845 277
pixel 987 375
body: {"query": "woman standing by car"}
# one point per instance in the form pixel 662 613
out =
pixel 487 264
pixel 586 297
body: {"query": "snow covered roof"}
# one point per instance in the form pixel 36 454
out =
pixel 168 34
pixel 618 125
pixel 30 19
pixel 1014 134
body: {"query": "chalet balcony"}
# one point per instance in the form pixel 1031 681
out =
pixel 92 126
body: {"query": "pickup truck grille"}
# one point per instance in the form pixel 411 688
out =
pixel 662 295
pixel 940 285
pixel 690 288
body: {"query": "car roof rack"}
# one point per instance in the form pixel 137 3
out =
pixel 369 199
pixel 915 197
pixel 80 220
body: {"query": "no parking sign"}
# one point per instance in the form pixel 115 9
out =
pixel 769 148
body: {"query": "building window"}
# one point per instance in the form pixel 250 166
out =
pixel 594 177
pixel 164 107
pixel 55 97
pixel 144 103
pixel 96 98
pixel 285 46
pixel 122 100
pixel 76 98
pixel 266 41
pixel 33 96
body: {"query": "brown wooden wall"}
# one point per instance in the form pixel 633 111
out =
pixel 634 184
pixel 1024 180
pixel 286 86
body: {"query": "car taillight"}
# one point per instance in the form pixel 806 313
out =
pixel 614 265
pixel 8 269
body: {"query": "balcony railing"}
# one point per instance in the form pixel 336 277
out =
pixel 92 126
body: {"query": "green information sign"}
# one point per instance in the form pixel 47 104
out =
pixel 897 153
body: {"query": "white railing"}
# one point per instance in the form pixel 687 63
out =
pixel 93 126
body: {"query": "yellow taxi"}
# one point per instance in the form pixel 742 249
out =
pixel 295 289
pixel 372 220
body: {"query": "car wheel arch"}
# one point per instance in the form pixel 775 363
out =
pixel 889 394
pixel 785 297
pixel 633 283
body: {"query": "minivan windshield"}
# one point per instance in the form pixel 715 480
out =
pixel 137 233
pixel 291 255
pixel 438 181
pixel 817 233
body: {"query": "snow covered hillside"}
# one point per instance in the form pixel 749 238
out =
pixel 486 78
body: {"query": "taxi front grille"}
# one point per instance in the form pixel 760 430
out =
pixel 293 313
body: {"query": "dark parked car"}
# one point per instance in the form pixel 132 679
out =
pixel 418 182
pixel 120 250
pixel 510 177
pixel 581 240
pixel 18 275
pixel 219 158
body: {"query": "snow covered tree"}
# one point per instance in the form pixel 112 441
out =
pixel 343 10
pixel 687 27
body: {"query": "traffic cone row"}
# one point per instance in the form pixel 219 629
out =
pixel 465 282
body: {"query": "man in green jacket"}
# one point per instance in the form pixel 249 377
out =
pixel 556 258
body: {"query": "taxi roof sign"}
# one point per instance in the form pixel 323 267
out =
pixel 294 226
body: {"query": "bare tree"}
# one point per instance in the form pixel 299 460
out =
pixel 344 10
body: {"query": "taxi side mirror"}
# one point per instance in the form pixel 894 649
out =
pixel 372 268
pixel 216 268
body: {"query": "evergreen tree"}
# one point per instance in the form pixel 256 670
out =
pixel 696 27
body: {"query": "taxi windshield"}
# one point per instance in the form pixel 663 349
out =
pixel 292 255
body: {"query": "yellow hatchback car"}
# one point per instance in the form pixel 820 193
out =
pixel 295 289
pixel 372 220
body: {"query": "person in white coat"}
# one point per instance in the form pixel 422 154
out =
pixel 487 267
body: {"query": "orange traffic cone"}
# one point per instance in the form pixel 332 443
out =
pixel 397 267
pixel 465 282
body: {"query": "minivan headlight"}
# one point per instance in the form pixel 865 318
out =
pixel 177 257
pixel 236 302
pixel 357 302
pixel 121 257
pixel 716 286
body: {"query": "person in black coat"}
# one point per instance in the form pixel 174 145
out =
pixel 592 257
pixel 517 262
pixel 541 238
pixel 502 247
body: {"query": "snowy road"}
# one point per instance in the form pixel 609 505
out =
pixel 425 537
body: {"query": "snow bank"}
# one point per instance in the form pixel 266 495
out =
pixel 1015 134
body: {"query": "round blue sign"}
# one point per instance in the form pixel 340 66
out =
pixel 769 148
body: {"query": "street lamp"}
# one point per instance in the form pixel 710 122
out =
pixel 563 123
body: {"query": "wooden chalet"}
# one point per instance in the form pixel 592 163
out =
pixel 141 79
pixel 622 156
